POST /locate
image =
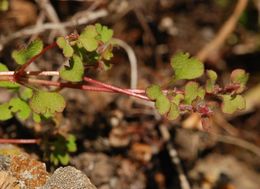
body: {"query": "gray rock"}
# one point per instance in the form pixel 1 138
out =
pixel 68 178
pixel 4 163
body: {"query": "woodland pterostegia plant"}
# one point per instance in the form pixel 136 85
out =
pixel 92 48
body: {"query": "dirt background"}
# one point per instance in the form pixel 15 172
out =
pixel 120 140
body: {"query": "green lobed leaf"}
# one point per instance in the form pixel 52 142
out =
pixel 88 38
pixel 47 103
pixel 239 76
pixel 5 112
pixel 232 104
pixel 26 93
pixel 201 92
pixel 104 32
pixel 211 81
pixel 191 92
pixel 23 55
pixel 185 67
pixel 162 104
pixel 36 117
pixel 63 158
pixel 153 92
pixel 7 84
pixel 65 46
pixel 20 107
pixel 54 159
pixel 71 143
pixel 74 72
pixel 173 112
pixel 177 99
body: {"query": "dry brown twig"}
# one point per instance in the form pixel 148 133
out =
pixel 223 33
pixel 53 26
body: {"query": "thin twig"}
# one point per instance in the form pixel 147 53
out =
pixel 224 32
pixel 52 26
pixel 238 142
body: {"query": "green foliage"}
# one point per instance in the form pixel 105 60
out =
pixel 211 81
pixel 5 112
pixel 23 55
pixel 4 4
pixel 47 103
pixel 185 67
pixel 71 143
pixel 153 92
pixel 239 77
pixel 36 117
pixel 177 98
pixel 74 72
pixel 162 104
pixel 88 38
pixel 174 112
pixel 192 91
pixel 231 104
pixel 61 148
pixel 65 46
pixel 20 107
pixel 189 68
pixel 105 34
pixel 7 84
pixel 25 93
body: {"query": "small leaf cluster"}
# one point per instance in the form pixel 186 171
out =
pixel 93 47
pixel 171 102
pixel 28 103
pixel 61 148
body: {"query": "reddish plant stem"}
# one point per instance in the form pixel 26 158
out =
pixel 19 141
pixel 21 70
pixel 113 88
pixel 131 92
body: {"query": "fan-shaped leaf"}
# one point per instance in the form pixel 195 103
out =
pixel 71 143
pixel 5 112
pixel 211 81
pixel 174 112
pixel 185 67
pixel 239 76
pixel 231 104
pixel 88 38
pixel 26 93
pixel 153 92
pixel 36 117
pixel 20 107
pixel 177 99
pixel 65 46
pixel 162 104
pixel 104 32
pixel 7 84
pixel 23 55
pixel 47 103
pixel 191 92
pixel 74 72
